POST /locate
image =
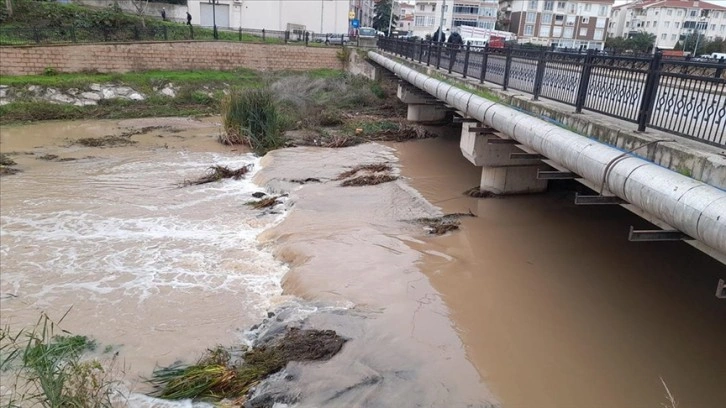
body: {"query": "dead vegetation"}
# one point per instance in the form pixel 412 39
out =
pixel 266 202
pixel 105 141
pixel 442 225
pixel 217 375
pixel 5 160
pixel 367 175
pixel 6 164
pixel 6 171
pixel 216 173
pixel 55 158
pixel 477 192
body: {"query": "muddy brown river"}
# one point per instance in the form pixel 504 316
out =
pixel 533 303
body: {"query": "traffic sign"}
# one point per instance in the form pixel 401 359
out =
pixel 351 15
pixel 355 23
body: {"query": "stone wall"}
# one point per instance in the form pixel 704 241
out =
pixel 181 55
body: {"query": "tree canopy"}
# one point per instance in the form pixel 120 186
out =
pixel 382 16
pixel 641 42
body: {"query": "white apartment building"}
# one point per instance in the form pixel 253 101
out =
pixel 475 13
pixel 320 16
pixel 669 20
pixel 562 24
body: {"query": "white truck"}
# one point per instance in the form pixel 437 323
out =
pixel 479 36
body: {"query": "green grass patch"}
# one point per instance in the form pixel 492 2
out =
pixel 252 117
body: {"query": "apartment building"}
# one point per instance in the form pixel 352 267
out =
pixel 669 20
pixel 322 16
pixel 405 13
pixel 475 13
pixel 578 24
pixel 505 14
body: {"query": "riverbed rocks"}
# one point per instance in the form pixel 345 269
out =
pixel 92 95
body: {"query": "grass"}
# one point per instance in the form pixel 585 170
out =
pixel 252 117
pixel 218 376
pixel 49 370
pixel 216 173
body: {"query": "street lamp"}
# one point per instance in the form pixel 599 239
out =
pixel 214 19
pixel 698 36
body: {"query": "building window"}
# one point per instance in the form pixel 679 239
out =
pixel 572 9
pixel 599 34
pixel 600 23
pixel 544 30
pixel 679 13
pixel 677 24
pixel 583 32
pixel 694 13
pixel 488 12
pixel 559 19
pixel 557 32
pixel 673 37
pixel 627 24
pixel 585 20
pixel 588 7
pixel 433 7
pixel 569 31
pixel 459 9
pixel 431 20
pixel 647 24
pixel 722 28
pixel 669 12
pixel 489 25
pixel 446 8
pixel 469 23
pixel 570 20
pixel 603 11
pixel 546 18
pixel 420 21
pixel 421 7
pixel 561 5
pixel 717 15
pixel 529 30
pixel 531 17
pixel 667 24
pixel 663 36
pixel 655 24
pixel 549 5
pixel 533 4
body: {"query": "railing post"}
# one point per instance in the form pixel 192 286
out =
pixel 73 34
pixel 649 92
pixel 539 76
pixel 420 50
pixel 584 81
pixel 428 54
pixel 307 37
pixel 191 31
pixel 484 62
pixel 240 33
pixel 263 35
pixel 166 36
pixel 452 56
pixel 466 60
pixel 507 67
pixel 36 35
pixel 719 70
pixel 137 35
pixel 287 36
pixel 438 58
pixel 342 40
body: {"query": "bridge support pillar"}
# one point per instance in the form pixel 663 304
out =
pixel 504 169
pixel 512 180
pixel 422 107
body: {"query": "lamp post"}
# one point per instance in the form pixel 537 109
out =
pixel 322 12
pixel 215 34
pixel 390 19
pixel 698 35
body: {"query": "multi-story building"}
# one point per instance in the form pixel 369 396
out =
pixel 322 16
pixel 669 20
pixel 405 13
pixel 475 13
pixel 562 24
pixel 363 10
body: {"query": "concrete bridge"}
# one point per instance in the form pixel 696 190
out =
pixel 675 184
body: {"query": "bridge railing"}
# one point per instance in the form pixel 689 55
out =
pixel 683 97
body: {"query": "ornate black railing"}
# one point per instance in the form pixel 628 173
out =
pixel 674 95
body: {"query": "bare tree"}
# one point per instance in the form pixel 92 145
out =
pixel 140 6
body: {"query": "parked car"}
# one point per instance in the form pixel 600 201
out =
pixel 367 32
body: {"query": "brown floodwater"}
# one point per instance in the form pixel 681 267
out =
pixel 534 303
pixel 558 309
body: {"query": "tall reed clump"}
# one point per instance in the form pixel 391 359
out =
pixel 43 369
pixel 252 117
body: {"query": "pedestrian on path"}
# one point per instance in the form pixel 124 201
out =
pixel 163 13
pixel 189 19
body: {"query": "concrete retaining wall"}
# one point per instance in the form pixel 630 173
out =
pixel 181 55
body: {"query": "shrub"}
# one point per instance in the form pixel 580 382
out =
pixel 252 117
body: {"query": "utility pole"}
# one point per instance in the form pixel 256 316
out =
pixel 214 20
pixel 390 19
pixel 441 22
